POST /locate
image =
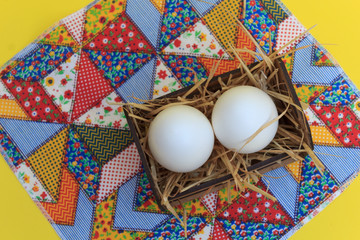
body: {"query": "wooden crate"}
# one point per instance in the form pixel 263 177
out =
pixel 262 167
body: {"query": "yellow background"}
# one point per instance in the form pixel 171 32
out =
pixel 338 28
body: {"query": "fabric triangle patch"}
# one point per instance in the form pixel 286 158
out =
pixel 181 65
pixel 59 36
pixel 238 230
pixel 165 81
pixel 194 208
pixel 47 162
pixel 205 232
pixel 341 121
pixel 140 85
pixel 215 19
pixel 121 35
pixel 31 69
pixel 118 67
pixel 262 27
pixel 75 24
pixel 219 232
pixel 105 115
pixel 33 186
pixel 226 197
pixel 99 15
pixel 295 169
pixel 91 87
pixel 320 57
pixel 103 231
pixel 314 188
pixel 144 191
pixel 312 118
pixel 34 100
pixel 63 211
pixel 118 170
pixel 339 93
pixel 159 4
pixel 197 40
pixel 288 60
pixel 343 163
pixel 255 207
pixel 82 165
pixel 307 93
pixel 177 18
pixel 244 42
pixel 149 205
pixel 104 143
pixel 60 84
pixel 11 109
pixel 321 135
pixel 4 93
pixel 173 229
pixel 210 200
pixel 12 154
pixel 28 135
pixel 224 66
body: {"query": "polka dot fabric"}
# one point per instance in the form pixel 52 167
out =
pixel 119 170
pixel 209 200
pixel 288 30
pixel 75 24
pixel 47 162
pixel 321 135
pixel 92 87
pixel 11 109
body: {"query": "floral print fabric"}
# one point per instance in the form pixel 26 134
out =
pixel 60 84
pixel 172 229
pixel 12 152
pixel 31 183
pixel 83 166
pixel 342 122
pixel 181 65
pixel 34 100
pixel 106 115
pixel 178 15
pixel 314 187
pixel 39 64
pixel 121 35
pixel 118 67
pixel 59 36
pixel 339 93
pixel 253 231
pixel 260 24
pixel 255 207
pixel 165 82
pixel 197 40
pixel 99 15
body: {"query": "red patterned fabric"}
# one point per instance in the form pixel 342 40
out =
pixel 91 88
pixel 121 35
pixel 219 232
pixel 255 207
pixel 33 99
pixel 342 122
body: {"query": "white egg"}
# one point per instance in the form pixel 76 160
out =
pixel 181 138
pixel 239 113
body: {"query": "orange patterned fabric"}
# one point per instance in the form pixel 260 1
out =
pixel 47 161
pixel 63 212
pixel 322 136
pixel 11 109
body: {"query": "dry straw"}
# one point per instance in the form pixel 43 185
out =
pixel 222 162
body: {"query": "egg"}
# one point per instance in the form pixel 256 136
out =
pixel 181 138
pixel 239 113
